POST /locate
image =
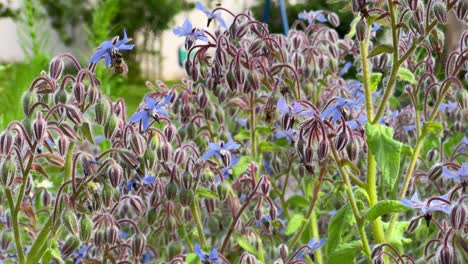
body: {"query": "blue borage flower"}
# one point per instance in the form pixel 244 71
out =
pixel 458 175
pixel 212 257
pixel 312 246
pixel 107 47
pixel 294 109
pixel 424 206
pixel 146 180
pixel 215 149
pixel 312 16
pixel 227 171
pixel 187 30
pixel 152 109
pixel 449 106
pixel 79 254
pixel 334 110
pixel 211 15
pixel 288 134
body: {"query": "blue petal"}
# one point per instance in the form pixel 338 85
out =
pixel 208 154
pixel 136 117
pixel 122 41
pixel 130 184
pixel 406 202
pixel 162 112
pixel 214 254
pixel 97 55
pixel 319 244
pixel 108 59
pixel 166 100
pixel 199 252
pixel 312 242
pixel 150 102
pixel 126 47
pixel 178 31
pixel 106 45
pixel 282 105
pixel 145 122
pixel 187 26
pixel 148 179
pixel 202 8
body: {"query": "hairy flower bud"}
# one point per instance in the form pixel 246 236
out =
pixel 283 250
pixel 462 10
pixel 86 228
pixel 60 96
pixel 39 127
pixel 273 213
pixel 99 237
pixel 8 172
pixel 111 234
pixel 6 239
pixel 352 149
pixel 138 144
pixel 71 244
pixel 110 126
pixel 115 173
pixel 186 197
pixel 361 30
pixel 70 222
pixel 458 216
pixel 137 204
pixel 435 173
pixel 138 244
pixel 29 99
pixel 170 190
pixel 130 158
pixel 6 143
pixel 222 190
pixel 334 19
pixel 74 115
pixel 170 132
pixel 416 27
pixel 56 68
pixel 102 111
pixel 151 217
pixel 342 141
pixel 413 224
pixel 79 92
pixel 106 194
pixel 446 255
pixel 440 11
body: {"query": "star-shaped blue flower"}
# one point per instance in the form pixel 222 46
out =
pixel 211 15
pixel 312 16
pixel 457 176
pixel 435 205
pixel 108 46
pixel 152 109
pixel 215 149
pixel 213 257
pixel 335 109
pixel 313 245
pixel 187 30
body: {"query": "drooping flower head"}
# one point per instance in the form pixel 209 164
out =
pixel 211 15
pixel 427 206
pixel 458 176
pixel 312 246
pixel 335 109
pixel 212 257
pixel 221 150
pixel 312 16
pixel 108 47
pixel 190 33
pixel 152 109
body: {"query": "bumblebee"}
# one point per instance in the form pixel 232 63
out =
pixel 118 65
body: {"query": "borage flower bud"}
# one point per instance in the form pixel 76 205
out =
pixel 239 74
pixel 283 250
pixel 352 149
pixel 440 11
pixel 99 238
pixel 71 244
pixel 210 205
pixel 462 10
pixel 39 127
pixel 458 216
pixel 435 173
pixel 170 132
pixel 334 19
pixel 29 99
pixel 446 255
pixel 185 197
pixel 138 244
pixel 179 156
pixel 138 144
pixel 231 80
pixel 106 194
pixel 265 185
pixel 70 222
pixel 432 155
pixel 322 151
pixel 74 115
pixel 361 30
pixel 462 98
pixel 151 217
pixel 273 213
pixel 6 143
pixel 222 190
pixel 8 172
pixel 171 190
pixel 115 173
pixel 86 228
pixel 130 158
pixel 137 204
pixel 342 141
pixel 93 95
pixel 256 46
pixel 109 126
pixel 111 234
pixel 63 145
pixel 102 110
pixel 56 68
pixel 46 199
pixel 258 212
pixel 79 92
pixel 60 96
pixel 6 239
pixel 164 151
pixel 413 224
pixel 416 27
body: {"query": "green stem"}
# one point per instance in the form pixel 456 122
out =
pixel 16 232
pixel 194 207
pixel 297 236
pixel 253 143
pixel 315 233
pixel 352 201
pixel 19 200
pixel 37 249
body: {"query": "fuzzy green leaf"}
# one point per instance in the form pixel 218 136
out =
pixel 243 243
pixel 385 207
pixel 346 253
pixel 241 166
pixel 293 224
pixel 406 75
pixel 338 223
pixel 375 80
pixel 380 49
pixel 205 193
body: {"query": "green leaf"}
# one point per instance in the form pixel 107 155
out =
pixel 346 253
pixel 52 253
pixel 241 166
pixel 293 224
pixel 385 207
pixel 298 200
pixel 205 193
pixel 266 146
pixel 264 129
pixel 192 258
pixel 243 243
pixel 397 238
pixel 375 80
pixel 338 223
pixel 406 75
pixel 243 135
pixel 380 49
pixel 386 150
pixel 352 30
pixel 433 127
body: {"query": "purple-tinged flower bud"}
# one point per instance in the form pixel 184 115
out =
pixel 322 150
pixel 210 205
pixel 60 96
pixel 6 143
pixel 164 151
pixel 179 156
pixel 462 10
pixel 111 235
pixel 188 66
pixel 258 212
pixel 138 244
pixel 74 115
pixel 239 74
pixel 187 180
pixel 413 4
pixel 137 204
pixel 187 214
pixel 129 157
pixel 361 30
pixel 446 255
pixel 231 80
pixel 102 111
pixel 45 197
pixel 435 173
pixel 154 199
pixel 221 56
pixel 68 130
pixel 432 155
pixel 352 149
pixel 342 141
pixel 70 222
pixel 171 224
pixel 86 228
pixel 99 237
pixel 106 195
pixel 138 144
pixel 250 259
pixel 110 126
pixel 89 164
pixel 256 46
pixel 194 73
pixel 93 95
pixel 171 190
pixel 283 251
pixel 115 173
pixel 413 224
pixel 39 126
pixel 308 155
pixel 378 260
pixel 71 244
pixel 462 98
pixel 29 99
pixel 79 92
pixel 56 68
pixel 273 213
pixel 334 19
pixel 151 217
pixel 416 27
pixel 63 145
pixel 6 239
pixel 241 31
pixel 222 190
pixel 8 172
pixel 440 11
pixel 265 185
pixel 170 132
pixel 458 217
pixel 185 196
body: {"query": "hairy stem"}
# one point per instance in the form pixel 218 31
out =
pixel 194 207
pixel 15 223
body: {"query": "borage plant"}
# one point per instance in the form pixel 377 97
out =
pixel 277 149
